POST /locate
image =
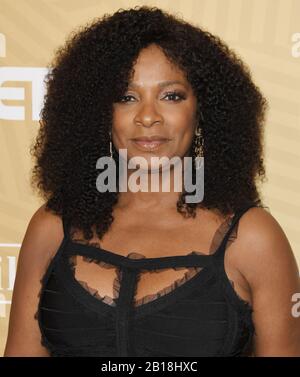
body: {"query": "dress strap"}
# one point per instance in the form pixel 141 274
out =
pixel 66 227
pixel 235 219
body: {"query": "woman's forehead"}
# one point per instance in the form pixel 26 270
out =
pixel 155 71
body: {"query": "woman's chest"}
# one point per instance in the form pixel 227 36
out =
pixel 156 235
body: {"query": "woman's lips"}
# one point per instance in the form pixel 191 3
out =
pixel 149 145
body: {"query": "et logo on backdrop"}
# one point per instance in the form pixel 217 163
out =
pixel 296 45
pixel 34 75
pixel 8 260
pixel 12 75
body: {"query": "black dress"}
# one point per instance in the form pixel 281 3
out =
pixel 198 315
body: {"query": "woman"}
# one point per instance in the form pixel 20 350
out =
pixel 147 273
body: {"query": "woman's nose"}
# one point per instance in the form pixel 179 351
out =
pixel 148 116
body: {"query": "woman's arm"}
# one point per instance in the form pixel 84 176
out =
pixel 268 264
pixel 42 239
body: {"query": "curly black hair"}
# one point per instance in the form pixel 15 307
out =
pixel 92 70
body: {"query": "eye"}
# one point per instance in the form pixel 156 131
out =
pixel 126 96
pixel 180 96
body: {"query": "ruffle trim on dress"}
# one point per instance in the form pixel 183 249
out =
pixel 192 271
pixel 117 281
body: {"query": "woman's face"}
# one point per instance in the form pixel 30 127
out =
pixel 154 105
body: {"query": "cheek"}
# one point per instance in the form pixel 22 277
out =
pixel 183 137
pixel 121 130
pixel 183 132
pixel 180 121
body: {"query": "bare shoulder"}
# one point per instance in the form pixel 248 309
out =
pixel 261 221
pixel 266 259
pixel 41 241
pixel 44 234
pixel 263 245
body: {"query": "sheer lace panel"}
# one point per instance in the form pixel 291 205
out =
pixel 102 280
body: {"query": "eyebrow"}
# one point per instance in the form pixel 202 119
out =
pixel 160 84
